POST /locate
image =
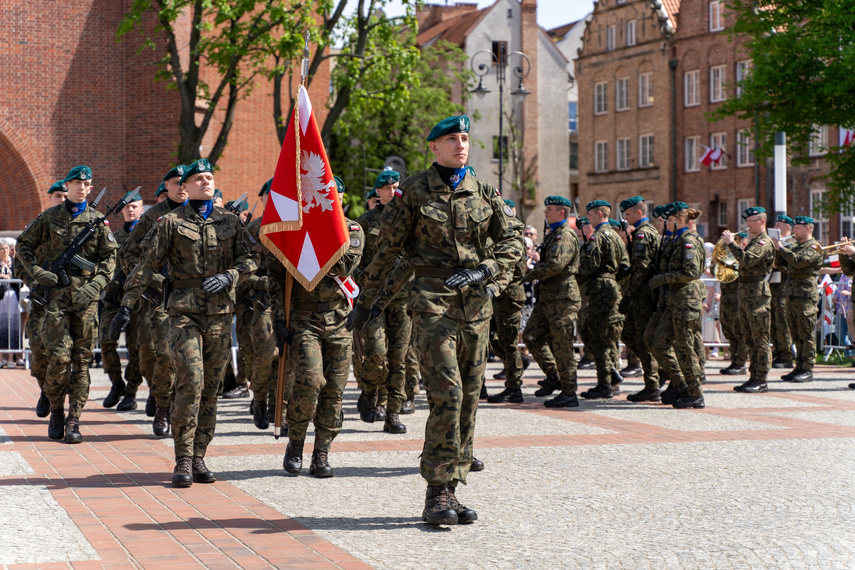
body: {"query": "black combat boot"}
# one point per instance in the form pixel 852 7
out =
pixel 182 475
pixel 616 378
pixel 115 393
pixel 320 466
pixel 476 465
pixel 754 386
pixel 293 462
pixel 380 412
pixel 43 406
pixel 803 376
pixel 72 430
pixel 408 407
pixel 734 370
pixel 788 377
pixel 599 392
pixel 464 514
pixel 367 405
pixel 56 427
pixel 483 395
pixel 259 415
pixel 201 474
pixel 631 371
pixel 646 395
pixel 438 509
pixel 550 384
pixel 669 397
pixel 150 405
pixel 501 375
pixel 127 403
pixel 586 364
pixel 689 402
pixel 512 395
pixel 160 425
pixel 563 400
pixel 392 424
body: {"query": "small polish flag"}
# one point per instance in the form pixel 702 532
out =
pixel 833 260
pixel 711 155
pixel 846 137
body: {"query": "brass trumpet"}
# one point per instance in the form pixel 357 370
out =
pixel 834 248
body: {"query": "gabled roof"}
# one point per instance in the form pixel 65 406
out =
pixel 453 30
pixel 672 7
pixel 558 34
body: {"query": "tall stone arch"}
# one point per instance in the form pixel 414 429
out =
pixel 23 184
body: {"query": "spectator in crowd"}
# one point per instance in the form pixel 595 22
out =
pixel 10 308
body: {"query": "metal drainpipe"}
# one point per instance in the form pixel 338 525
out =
pixel 672 63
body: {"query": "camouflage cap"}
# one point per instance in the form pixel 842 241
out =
pixel 201 165
pixel 265 188
pixel 81 172
pixel 803 220
pixel 175 172
pixel 753 211
pixel 387 177
pixel 160 189
pixel 784 218
pixel 557 201
pixel 673 208
pixel 742 235
pixel 339 185
pixel 450 125
pixel 596 204
pixel 630 202
pixel 57 187
pixel 659 212
pixel 615 224
pixel 372 194
pixel 217 194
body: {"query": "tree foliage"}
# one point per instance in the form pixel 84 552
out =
pixel 802 76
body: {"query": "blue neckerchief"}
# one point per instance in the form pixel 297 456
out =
pixel 636 224
pixel 603 223
pixel 457 177
pixel 204 207
pixel 77 209
pixel 680 232
pixel 557 225
pixel 129 226
pixel 668 233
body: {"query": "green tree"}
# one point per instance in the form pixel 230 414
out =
pixel 802 75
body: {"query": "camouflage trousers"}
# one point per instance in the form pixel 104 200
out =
pixel 200 346
pixel 453 357
pixel 68 335
pixel 731 326
pixel 411 384
pixel 245 355
pixel 778 327
pixel 385 341
pixel 264 364
pixel 663 352
pixel 320 354
pixel 603 328
pixel 155 352
pixel 38 356
pixel 801 320
pixel 679 328
pixel 549 335
pixel 110 349
pixel 637 317
pixel 755 321
pixel 507 313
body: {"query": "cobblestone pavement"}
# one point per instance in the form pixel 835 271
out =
pixel 751 481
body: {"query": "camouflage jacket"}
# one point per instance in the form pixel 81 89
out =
pixel 559 262
pixel 116 287
pixel 682 273
pixel 802 262
pixel 252 290
pixel 326 301
pixel 370 222
pixel 49 235
pixel 194 248
pixel 602 258
pixel 133 249
pixel 755 264
pixel 643 253
pixel 441 229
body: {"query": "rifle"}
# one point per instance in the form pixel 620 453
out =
pixel 251 212
pixel 39 293
pixel 234 207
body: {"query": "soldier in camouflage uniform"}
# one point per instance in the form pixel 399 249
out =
pixel 150 314
pixel 782 356
pixel 549 331
pixel 802 262
pixel 684 297
pixel 69 325
pixel 755 264
pixel 730 322
pixel 111 298
pixel 38 356
pixel 385 340
pixel 640 302
pixel 598 267
pixel 206 250
pixel 444 218
pixel 319 349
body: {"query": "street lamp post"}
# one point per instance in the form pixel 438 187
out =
pixel 521 71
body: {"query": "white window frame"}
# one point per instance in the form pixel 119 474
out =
pixel 611 33
pixel 601 156
pixel 742 205
pixel 691 88
pixel 717 93
pixel 645 89
pixel 847 221
pixel 622 94
pixel 716 24
pixel 630 33
pixel 818 144
pixel 719 140
pixel 624 154
pixel 743 68
pixel 646 147
pixel 691 148
pixel 722 214
pixel 744 148
pixel 601 98
pixel 820 220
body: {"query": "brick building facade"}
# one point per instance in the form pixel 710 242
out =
pixel 74 95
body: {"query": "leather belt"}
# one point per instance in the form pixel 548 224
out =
pixel 186 283
pixel 320 307
pixel 435 272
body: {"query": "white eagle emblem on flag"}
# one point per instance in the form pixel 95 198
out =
pixel 312 173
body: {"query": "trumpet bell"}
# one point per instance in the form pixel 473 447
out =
pixel 727 267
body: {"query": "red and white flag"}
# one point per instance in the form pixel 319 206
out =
pixel 847 137
pixel 711 155
pixel 826 291
pixel 833 260
pixel 303 223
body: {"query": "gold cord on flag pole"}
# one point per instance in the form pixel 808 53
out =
pixel 304 75
pixel 283 358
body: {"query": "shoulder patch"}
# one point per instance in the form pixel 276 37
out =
pixel 507 210
pixel 354 242
pixel 160 218
pixel 813 247
pixel 399 191
pixel 106 222
pixel 640 235
pixel 761 242
pixel 558 237
pixel 110 236
pixel 688 246
pixel 354 228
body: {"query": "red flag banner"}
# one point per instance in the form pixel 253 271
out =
pixel 303 225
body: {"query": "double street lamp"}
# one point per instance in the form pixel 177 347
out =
pixel 500 59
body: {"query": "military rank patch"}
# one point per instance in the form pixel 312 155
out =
pixel 507 210
pixel 355 242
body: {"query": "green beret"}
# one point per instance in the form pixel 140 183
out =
pixel 742 235
pixel 387 177
pixel 673 208
pixel 785 218
pixel 178 171
pixel 201 165
pixel 160 189
pixel 448 126
pixel 752 211
pixel 241 206
pixel 658 212
pixel 265 189
pixel 582 221
pixel 217 194
pixel 57 187
pixel 79 173
pixel 630 202
pixel 372 194
pixel 132 196
pixel 614 223
pixel 470 170
pixel 803 220
pixel 339 185
pixel 511 203
pixel 596 204
pixel 557 201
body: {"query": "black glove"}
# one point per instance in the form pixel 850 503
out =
pixel 623 306
pixel 120 321
pixel 216 283
pixel 358 317
pixel 283 335
pixel 463 277
pixel 44 277
pixel 657 281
